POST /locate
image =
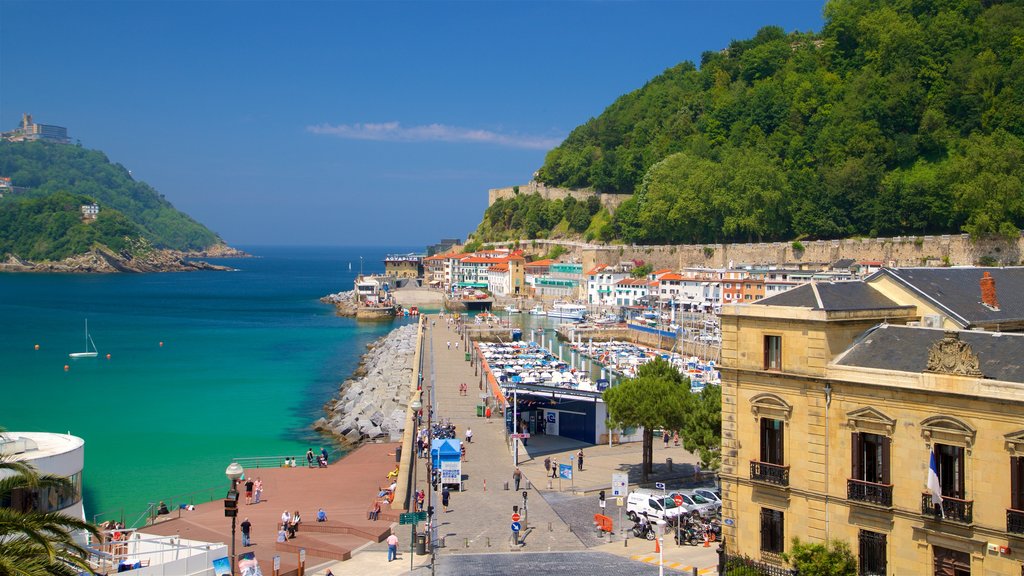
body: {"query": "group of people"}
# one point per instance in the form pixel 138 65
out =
pixel 551 465
pixel 253 490
pixel 289 525
pixel 321 458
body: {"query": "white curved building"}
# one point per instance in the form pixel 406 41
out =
pixel 57 454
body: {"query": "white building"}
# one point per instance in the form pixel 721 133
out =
pixel 601 281
pixel 57 454
pixel 629 291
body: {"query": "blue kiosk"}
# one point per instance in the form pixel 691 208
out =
pixel 446 457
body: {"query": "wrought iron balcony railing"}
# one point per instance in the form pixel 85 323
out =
pixel 769 473
pixel 1015 521
pixel 951 508
pixel 870 492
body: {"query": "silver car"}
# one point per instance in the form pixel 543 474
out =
pixel 693 502
pixel 709 495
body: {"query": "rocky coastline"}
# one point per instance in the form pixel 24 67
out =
pixel 372 404
pixel 102 260
pixel 344 302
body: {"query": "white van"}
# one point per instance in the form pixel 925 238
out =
pixel 655 504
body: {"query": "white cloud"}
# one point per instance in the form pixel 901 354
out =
pixel 395 132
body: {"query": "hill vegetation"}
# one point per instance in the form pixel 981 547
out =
pixel 900 117
pixel 43 221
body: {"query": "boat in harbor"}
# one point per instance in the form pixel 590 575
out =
pixel 538 310
pixel 511 309
pixel 88 342
pixel 574 312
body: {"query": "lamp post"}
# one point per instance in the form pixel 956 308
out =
pixel 416 405
pixel 234 471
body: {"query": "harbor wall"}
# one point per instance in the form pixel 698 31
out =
pixel 645 336
pixel 900 251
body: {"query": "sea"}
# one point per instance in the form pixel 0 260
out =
pixel 203 367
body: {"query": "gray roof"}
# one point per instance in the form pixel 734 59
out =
pixel 957 290
pixel 905 349
pixel 833 296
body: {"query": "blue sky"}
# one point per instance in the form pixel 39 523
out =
pixel 345 123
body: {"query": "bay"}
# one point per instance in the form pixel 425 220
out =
pixel 203 367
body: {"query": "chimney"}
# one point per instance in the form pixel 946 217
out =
pixel 988 291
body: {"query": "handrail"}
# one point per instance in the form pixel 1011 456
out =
pixel 119 512
pixel 280 461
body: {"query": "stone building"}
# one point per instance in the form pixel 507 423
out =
pixel 403 265
pixel 840 399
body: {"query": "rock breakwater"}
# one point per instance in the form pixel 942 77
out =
pixel 344 302
pixel 372 404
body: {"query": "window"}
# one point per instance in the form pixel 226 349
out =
pixel 872 554
pixel 772 531
pixel 773 352
pixel 1017 483
pixel 870 458
pixel 950 461
pixel 772 441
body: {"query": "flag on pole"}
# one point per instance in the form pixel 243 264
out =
pixel 933 482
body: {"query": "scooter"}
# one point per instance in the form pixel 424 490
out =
pixel 643 529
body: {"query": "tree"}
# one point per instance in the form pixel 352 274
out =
pixel 34 543
pixel 812 559
pixel 657 397
pixel 702 428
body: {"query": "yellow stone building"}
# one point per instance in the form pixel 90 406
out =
pixel 403 265
pixel 836 398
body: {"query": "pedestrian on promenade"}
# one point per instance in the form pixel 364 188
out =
pixel 456 345
pixel 420 497
pixel 296 520
pixel 463 452
pixel 282 536
pixel 579 459
pixel 554 468
pixel 309 458
pixel 286 520
pixel 516 477
pixel 445 496
pixel 248 490
pixel 246 530
pixel 449 344
pixel 257 488
pixel 321 516
pixel 469 435
pixel 547 465
pixel 392 547
pixel 665 438
pixel 323 452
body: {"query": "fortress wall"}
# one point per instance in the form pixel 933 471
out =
pixel 609 201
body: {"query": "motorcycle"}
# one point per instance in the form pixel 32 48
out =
pixel 643 529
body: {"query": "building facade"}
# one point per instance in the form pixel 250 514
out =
pixel 841 400
pixel 29 131
pixel 403 265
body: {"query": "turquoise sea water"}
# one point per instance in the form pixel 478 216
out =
pixel 248 360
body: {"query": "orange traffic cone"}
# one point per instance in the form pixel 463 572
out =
pixel 706 540
pixel 657 545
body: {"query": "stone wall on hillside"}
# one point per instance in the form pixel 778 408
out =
pixel 609 201
pixel 905 251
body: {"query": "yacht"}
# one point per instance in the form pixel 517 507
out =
pixel 574 312
pixel 538 310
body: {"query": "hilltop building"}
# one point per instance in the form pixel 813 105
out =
pixel 887 413
pixel 29 131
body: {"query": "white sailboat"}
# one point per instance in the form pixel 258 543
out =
pixel 88 341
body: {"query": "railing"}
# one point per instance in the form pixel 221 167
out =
pixel 870 492
pixel 1015 521
pixel 749 567
pixel 770 473
pixel 951 508
pixel 284 461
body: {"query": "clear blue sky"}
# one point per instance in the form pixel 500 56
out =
pixel 345 123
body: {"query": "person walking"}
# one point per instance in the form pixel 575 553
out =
pixel 309 458
pixel 257 488
pixel 547 465
pixel 554 468
pixel 469 435
pixel 392 546
pixel 445 496
pixel 517 476
pixel 246 531
pixel 323 453
pixel 665 438
pixel 248 490
pixel 579 459
pixel 449 344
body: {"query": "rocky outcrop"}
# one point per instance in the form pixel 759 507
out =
pixel 102 260
pixel 344 302
pixel 373 406
pixel 217 251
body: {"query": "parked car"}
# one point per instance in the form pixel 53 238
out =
pixel 653 504
pixel 693 502
pixel 709 494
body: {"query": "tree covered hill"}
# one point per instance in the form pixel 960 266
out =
pixel 43 219
pixel 900 117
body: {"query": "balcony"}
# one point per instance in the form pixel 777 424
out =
pixel 1015 521
pixel 953 509
pixel 769 473
pixel 869 492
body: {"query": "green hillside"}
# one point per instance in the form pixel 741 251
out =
pixel 900 117
pixel 42 220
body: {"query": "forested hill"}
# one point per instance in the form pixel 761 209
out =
pixel 900 117
pixel 42 219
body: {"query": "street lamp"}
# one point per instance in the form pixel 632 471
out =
pixel 234 471
pixel 416 405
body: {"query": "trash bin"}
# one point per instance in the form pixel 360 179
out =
pixel 467 356
pixel 480 410
pixel 669 462
pixel 421 544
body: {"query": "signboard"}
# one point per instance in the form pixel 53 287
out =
pixel 659 485
pixel 565 471
pixel 678 499
pixel 515 517
pixel 728 522
pixel 516 527
pixel 620 482
pixel 222 566
pixel 407 518
pixel 302 555
pixel 451 472
pixel 618 501
pixel 277 562
pixel 520 436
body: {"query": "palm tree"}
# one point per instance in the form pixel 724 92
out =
pixel 36 543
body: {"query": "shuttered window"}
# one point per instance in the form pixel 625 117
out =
pixel 772 534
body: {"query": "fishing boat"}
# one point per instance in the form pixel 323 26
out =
pixel 511 309
pixel 88 341
pixel 574 312
pixel 538 310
